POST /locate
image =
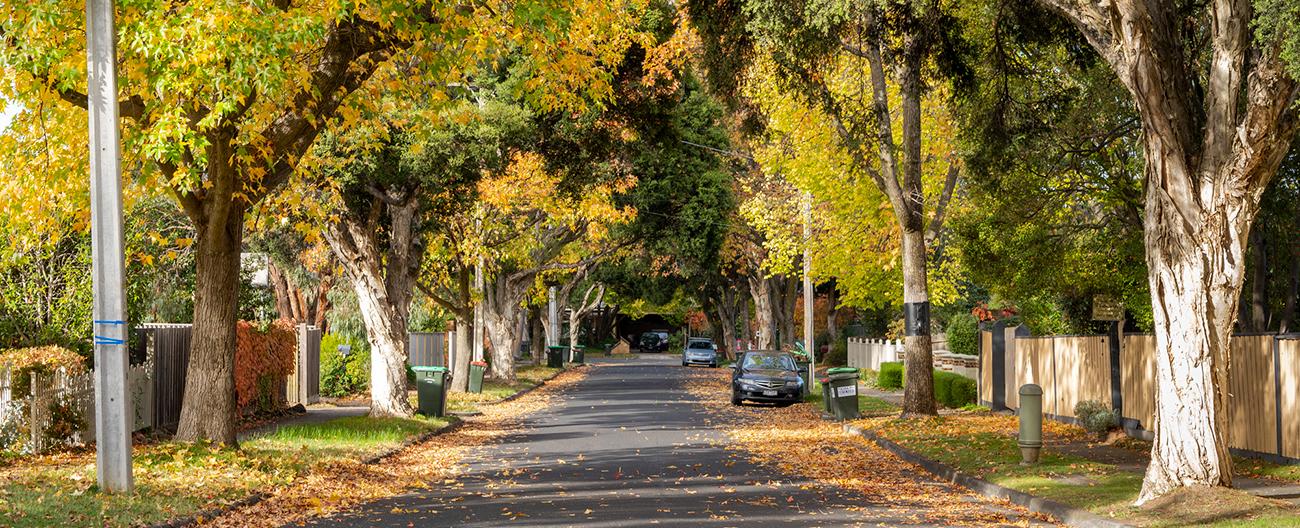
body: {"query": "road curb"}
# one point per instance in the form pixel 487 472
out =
pixel 1067 514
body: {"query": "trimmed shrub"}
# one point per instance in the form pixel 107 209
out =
pixel 263 358
pixel 963 335
pixel 838 354
pixel 890 376
pixel 1095 417
pixel 962 393
pixel 943 386
pixel 343 376
pixel 43 360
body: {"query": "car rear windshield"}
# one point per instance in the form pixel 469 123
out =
pixel 700 344
pixel 768 362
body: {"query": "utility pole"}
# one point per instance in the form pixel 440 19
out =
pixel 553 313
pixel 113 435
pixel 478 310
pixel 810 345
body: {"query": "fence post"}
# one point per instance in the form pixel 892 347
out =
pixel 1116 373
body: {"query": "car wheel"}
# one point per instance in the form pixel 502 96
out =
pixel 713 365
pixel 735 400
pixel 683 363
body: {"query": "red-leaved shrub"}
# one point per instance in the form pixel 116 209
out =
pixel 262 360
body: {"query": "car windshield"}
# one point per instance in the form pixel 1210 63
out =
pixel 768 362
pixel 700 344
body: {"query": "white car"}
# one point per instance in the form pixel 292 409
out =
pixel 700 351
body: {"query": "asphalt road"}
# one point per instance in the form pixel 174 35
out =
pixel 625 447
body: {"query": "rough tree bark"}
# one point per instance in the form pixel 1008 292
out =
pixel 350 53
pixel 761 291
pixel 501 305
pixel 384 281
pixel 210 410
pixel 1209 154
pixel 725 307
pixel 463 351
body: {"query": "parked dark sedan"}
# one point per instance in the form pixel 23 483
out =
pixel 767 377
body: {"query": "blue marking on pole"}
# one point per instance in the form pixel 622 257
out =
pixel 101 340
pixel 110 322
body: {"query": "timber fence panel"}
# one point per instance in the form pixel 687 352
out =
pixel 1138 378
pixel 1252 403
pixel 1082 371
pixel 986 366
pixel 170 347
pixel 1035 363
pixel 427 349
pixel 1288 354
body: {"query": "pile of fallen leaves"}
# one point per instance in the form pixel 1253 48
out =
pixel 798 441
pixel 437 461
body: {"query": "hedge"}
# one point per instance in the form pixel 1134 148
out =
pixel 952 390
pixel 963 335
pixel 890 375
pixel 263 358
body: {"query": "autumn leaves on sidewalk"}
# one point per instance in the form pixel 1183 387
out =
pixel 300 471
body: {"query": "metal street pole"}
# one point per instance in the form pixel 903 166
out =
pixel 113 436
pixel 811 346
pixel 553 312
pixel 478 311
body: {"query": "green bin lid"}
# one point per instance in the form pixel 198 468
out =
pixel 842 370
pixel 557 347
pixel 430 369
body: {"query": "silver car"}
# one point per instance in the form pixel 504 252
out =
pixel 700 351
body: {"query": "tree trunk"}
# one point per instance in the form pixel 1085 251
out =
pixel 209 410
pixel 746 331
pixel 725 307
pixel 918 397
pixel 536 334
pixel 384 282
pixel 501 310
pixel 832 314
pixel 1293 291
pixel 463 349
pixel 1192 285
pixel 280 286
pixel 1259 260
pixel 761 291
pixel 786 295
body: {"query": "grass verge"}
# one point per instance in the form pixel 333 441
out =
pixel 178 479
pixel 494 390
pixel 984 445
pixel 867 405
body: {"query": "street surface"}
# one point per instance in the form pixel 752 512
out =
pixel 630 446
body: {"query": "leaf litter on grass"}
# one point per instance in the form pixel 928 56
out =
pixel 435 462
pixel 799 442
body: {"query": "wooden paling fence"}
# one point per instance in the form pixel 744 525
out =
pixel 1263 382
pixel 63 402
pixel 427 349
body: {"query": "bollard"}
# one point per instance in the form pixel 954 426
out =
pixel 1031 423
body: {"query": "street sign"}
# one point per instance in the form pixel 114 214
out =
pixel 1107 308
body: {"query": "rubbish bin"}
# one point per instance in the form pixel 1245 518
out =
pixel 431 388
pixel 826 394
pixel 476 370
pixel 803 374
pixel 555 356
pixel 577 355
pixel 843 390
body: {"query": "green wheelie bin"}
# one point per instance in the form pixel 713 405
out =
pixel 577 355
pixel 841 389
pixel 804 374
pixel 555 356
pixel 431 388
pixel 476 370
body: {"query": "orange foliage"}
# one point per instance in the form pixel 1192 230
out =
pixel 262 360
pixel 22 362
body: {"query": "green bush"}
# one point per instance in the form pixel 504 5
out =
pixel 839 353
pixel 1095 417
pixel 890 376
pixel 943 386
pixel 963 393
pixel 963 335
pixel 341 376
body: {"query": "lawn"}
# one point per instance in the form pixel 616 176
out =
pixel 494 390
pixel 867 405
pixel 984 445
pixel 176 479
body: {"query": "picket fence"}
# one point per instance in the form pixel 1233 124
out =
pixel 155 389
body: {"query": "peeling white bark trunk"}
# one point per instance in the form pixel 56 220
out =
pixel 460 359
pixel 501 319
pixel 761 292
